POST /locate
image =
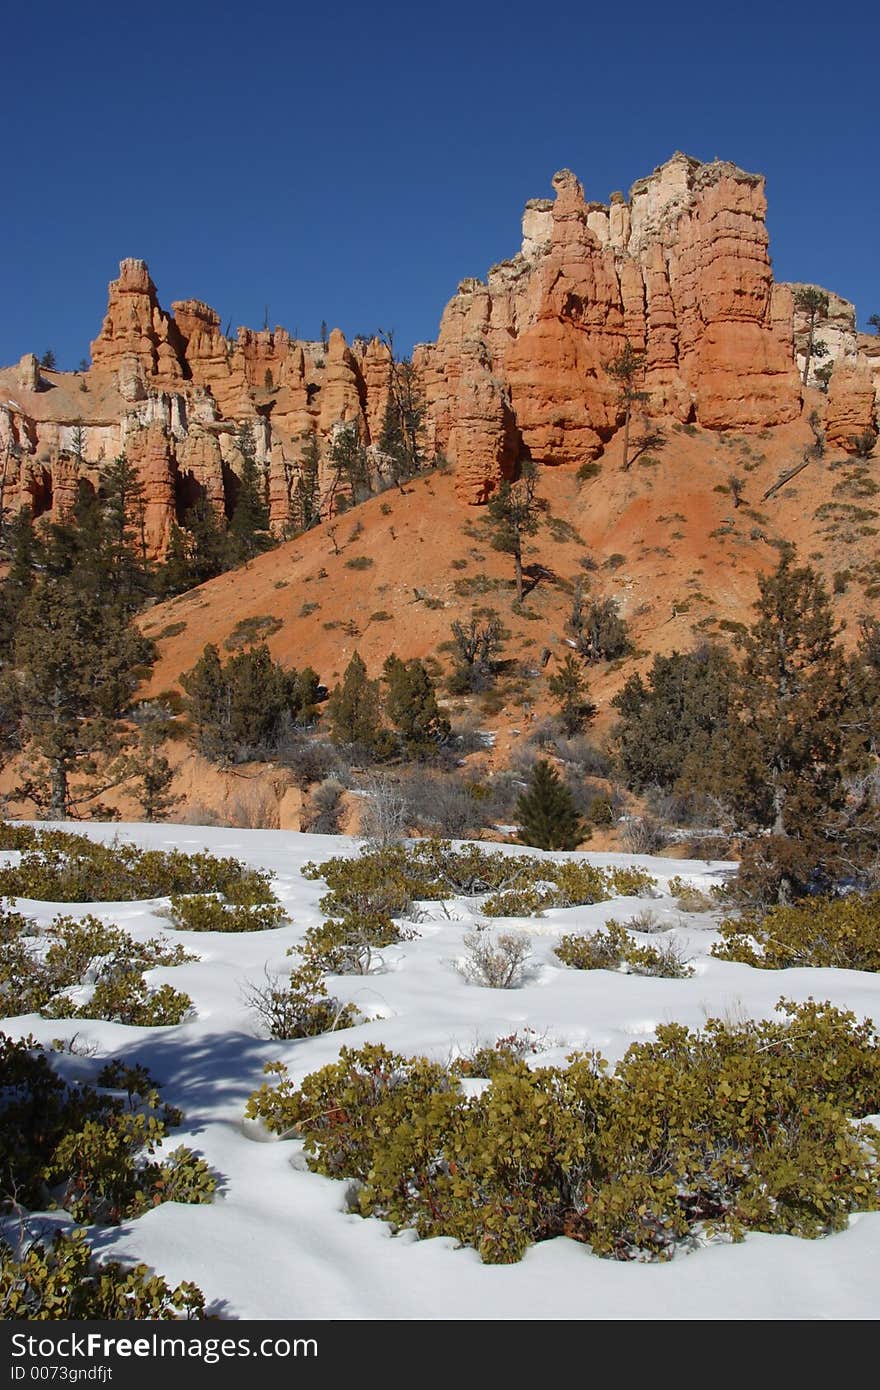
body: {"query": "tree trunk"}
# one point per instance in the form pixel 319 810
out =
pixel 58 785
pixel 517 563
pixel 809 348
pixel 626 438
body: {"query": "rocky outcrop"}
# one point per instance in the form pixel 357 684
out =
pixel 850 414
pixel 679 270
pixel 150 450
pixel 135 326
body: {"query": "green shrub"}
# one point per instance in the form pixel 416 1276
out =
pixel 603 950
pixel 300 1007
pixel 486 1061
pixel 39 969
pixel 588 471
pixel 544 884
pixel 87 1148
pixel 838 933
pixel 206 912
pixel 349 946
pixel 612 948
pixel 64 1280
pixel 58 866
pixel 249 631
pixel 19 837
pixel 689 898
pixel 388 880
pixel 359 562
pixel 732 1128
pixel 126 998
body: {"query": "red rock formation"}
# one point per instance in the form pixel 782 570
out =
pixel 200 469
pixel 134 325
pixel 850 412
pixel 150 450
pixel 680 271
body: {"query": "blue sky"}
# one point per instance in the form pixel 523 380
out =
pixel 353 162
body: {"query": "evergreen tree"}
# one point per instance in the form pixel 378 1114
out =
pixel 15 589
pixel 794 694
pixel 305 502
pixel 207 704
pixel 348 460
pixel 21 549
pixel 243 709
pixel 546 812
pixel 391 441
pixel 78 442
pixel 670 723
pixel 411 706
pixel 514 513
pixel 198 550
pixel 124 505
pixel 176 573
pixel 77 663
pixel 814 303
pixel 210 546
pixel 151 771
pixel 569 688
pixel 863 718
pixel 627 368
pixel 354 711
pixel 599 631
pixel 403 422
pixel 249 533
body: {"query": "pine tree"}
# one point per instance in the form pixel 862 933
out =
pixel 208 704
pixel 211 548
pixel 401 439
pixel 546 812
pixel 177 571
pixel 814 303
pixel 411 706
pixel 20 577
pixel 354 711
pixel 671 721
pixel 794 697
pixel 348 460
pixel 77 663
pixel 124 507
pixel 569 688
pixel 151 772
pixel 514 513
pixel 243 709
pixel 391 441
pixel 305 502
pixel 627 368
pixel 249 533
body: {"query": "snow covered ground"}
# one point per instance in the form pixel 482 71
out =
pixel 278 1243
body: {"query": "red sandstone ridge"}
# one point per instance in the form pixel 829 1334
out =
pixel 680 270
